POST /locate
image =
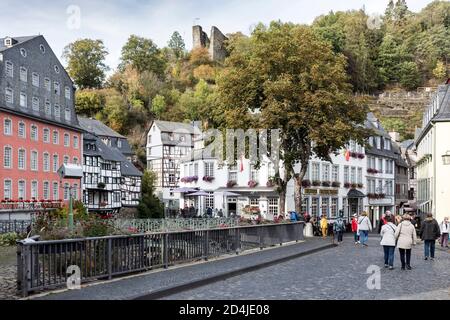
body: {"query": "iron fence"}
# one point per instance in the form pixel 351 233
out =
pixel 17 226
pixel 44 265
pixel 165 225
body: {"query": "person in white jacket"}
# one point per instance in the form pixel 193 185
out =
pixel 445 230
pixel 406 239
pixel 388 242
pixel 364 226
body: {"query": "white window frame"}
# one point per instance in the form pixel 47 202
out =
pixel 34 160
pixel 55 138
pixel 36 132
pixel 7 157
pixel 23 74
pixel 22 130
pixel 9 95
pixel 35 79
pixel 55 163
pixel 46 162
pixel 9 189
pixel 23 100
pixel 66 140
pixel 7 129
pixel 22 161
pixel 21 192
pixel 9 69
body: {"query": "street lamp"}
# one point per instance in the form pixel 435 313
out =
pixel 446 158
pixel 70 171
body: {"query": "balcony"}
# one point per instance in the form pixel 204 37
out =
pixel 29 205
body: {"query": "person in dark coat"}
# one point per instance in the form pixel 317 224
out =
pixel 429 233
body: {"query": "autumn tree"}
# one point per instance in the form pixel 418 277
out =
pixel 294 80
pixel 86 63
pixel 89 102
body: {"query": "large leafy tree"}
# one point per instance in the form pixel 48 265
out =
pixel 149 205
pixel 86 63
pixel 298 85
pixel 177 45
pixel 143 55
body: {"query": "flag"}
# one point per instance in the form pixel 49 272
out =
pixel 242 163
pixel 347 155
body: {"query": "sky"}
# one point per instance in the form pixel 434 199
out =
pixel 113 21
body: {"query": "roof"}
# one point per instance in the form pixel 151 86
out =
pixel 198 154
pixel 353 193
pixel 126 167
pixel 97 127
pixel 168 126
pixel 407 143
pixel 101 149
pixel 19 40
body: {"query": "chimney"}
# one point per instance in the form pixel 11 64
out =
pixel 395 136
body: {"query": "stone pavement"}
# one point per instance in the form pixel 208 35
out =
pixel 159 280
pixel 8 270
pixel 338 274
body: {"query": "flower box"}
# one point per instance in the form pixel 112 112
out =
pixel 372 171
pixel 347 185
pixel 231 184
pixel 360 185
pixel 189 179
pixel 270 183
pixel 208 179
pixel 252 183
pixel 306 183
pixel 326 184
pixel 336 184
pixel 361 155
pixel 316 183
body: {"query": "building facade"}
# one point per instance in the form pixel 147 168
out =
pixel 38 126
pixel 433 144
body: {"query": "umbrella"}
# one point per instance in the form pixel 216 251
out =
pixel 184 190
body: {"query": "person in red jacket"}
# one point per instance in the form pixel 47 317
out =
pixel 355 228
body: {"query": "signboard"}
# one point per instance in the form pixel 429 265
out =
pixel 310 191
pixel 329 192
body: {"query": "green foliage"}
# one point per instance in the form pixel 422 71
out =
pixel 149 205
pixel 440 72
pixel 10 239
pixel 177 45
pixel 409 75
pixel 158 105
pixel 396 125
pixel 89 102
pixel 86 62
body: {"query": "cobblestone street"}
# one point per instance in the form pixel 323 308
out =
pixel 340 274
pixel 8 271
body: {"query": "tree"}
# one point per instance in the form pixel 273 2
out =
pixel 86 63
pixel 158 106
pixel 440 72
pixel 177 45
pixel 143 55
pixel 89 102
pixel 300 86
pixel 409 75
pixel 150 207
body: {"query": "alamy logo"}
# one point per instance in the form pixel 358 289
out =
pixel 74 19
pixel 374 280
pixel 73 278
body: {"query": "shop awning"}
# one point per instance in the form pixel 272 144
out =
pixel 353 193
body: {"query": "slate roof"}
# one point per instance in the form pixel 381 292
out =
pixel 379 132
pixel 168 126
pixel 126 167
pixel 98 128
pixel 102 149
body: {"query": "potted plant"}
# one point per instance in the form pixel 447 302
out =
pixel 347 185
pixel 360 185
pixel 270 183
pixel 354 185
pixel 101 185
pixel 316 183
pixel 208 179
pixel 336 184
pixel 326 183
pixel 252 183
pixel 361 155
pixel 231 184
pixel 306 183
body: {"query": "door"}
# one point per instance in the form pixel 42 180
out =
pixel 353 206
pixel 232 208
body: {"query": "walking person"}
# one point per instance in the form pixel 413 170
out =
pixel 339 227
pixel 355 228
pixel 324 226
pixel 445 228
pixel 388 242
pixel 364 226
pixel 406 238
pixel 429 233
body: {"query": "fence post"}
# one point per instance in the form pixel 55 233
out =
pixel 23 268
pixel 280 234
pixel 238 240
pixel 109 257
pixel 166 251
pixel 261 246
pixel 206 245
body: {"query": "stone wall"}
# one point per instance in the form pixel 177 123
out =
pixel 214 44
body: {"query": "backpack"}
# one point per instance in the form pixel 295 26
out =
pixel 339 225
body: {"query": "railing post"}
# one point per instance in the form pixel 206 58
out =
pixel 23 269
pixel 166 250
pixel 206 245
pixel 238 240
pixel 261 245
pixel 109 257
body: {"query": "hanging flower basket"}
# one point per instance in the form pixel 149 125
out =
pixel 361 155
pixel 189 179
pixel 326 183
pixel 306 183
pixel 347 185
pixel 252 183
pixel 208 179
pixel 231 184
pixel 336 184
pixel 316 183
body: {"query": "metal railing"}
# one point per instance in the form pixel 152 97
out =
pixel 17 226
pixel 43 265
pixel 165 225
pixel 28 205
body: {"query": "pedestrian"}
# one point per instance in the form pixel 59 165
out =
pixel 429 233
pixel 355 228
pixel 405 234
pixel 324 226
pixel 382 222
pixel 445 228
pixel 388 242
pixel 339 227
pixel 398 219
pixel 364 226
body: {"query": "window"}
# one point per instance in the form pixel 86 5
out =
pixel 335 173
pixel 119 143
pixel 48 108
pixel 314 206
pixel 254 202
pixel 305 206
pixel 346 174
pixel 56 69
pixel 67 93
pixel 23 100
pixel 66 140
pixel 273 206
pixel 75 192
pixel 35 79
pixel 23 52
pixel 46 162
pixel 46 190
pixel 34 161
pixel 66 191
pixel 21 188
pixel 34 190
pixel 196 169
pixel 42 48
pixel 378 142
pixel 380 165
pixel 387 144
pixel 325 172
pixel 47 84
pixel 232 173
pixel 360 176
pixel 21 159
pixel 56 88
pixel 57 111
pixel 7 189
pixel 23 74
pixel 9 95
pixel 46 135
pixel 353 175
pixel 66 160
pixel 7 129
pixel 21 130
pixel 75 142
pixel 9 69
pixel 325 206
pixel 254 174
pixel 35 103
pixel 117 197
pixel 333 208
pixel 7 157
pixel 75 160
pixel 67 114
pixel 209 200
pixel 34 133
pixel 315 171
pixel 55 163
pixel 55 191
pixel 209 169
pixel 55 137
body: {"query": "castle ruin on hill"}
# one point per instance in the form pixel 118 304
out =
pixel 215 43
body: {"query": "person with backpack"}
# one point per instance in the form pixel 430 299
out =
pixel 445 229
pixel 355 228
pixel 429 233
pixel 388 242
pixel 364 226
pixel 339 227
pixel 405 234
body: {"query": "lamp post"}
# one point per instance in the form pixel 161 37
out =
pixel 446 158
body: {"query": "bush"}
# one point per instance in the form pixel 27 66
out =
pixel 9 239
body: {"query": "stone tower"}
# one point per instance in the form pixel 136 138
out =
pixel 214 44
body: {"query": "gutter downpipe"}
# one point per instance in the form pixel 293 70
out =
pixel 434 162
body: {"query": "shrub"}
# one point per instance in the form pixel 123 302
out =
pixel 9 239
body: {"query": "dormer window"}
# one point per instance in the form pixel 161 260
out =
pixel 47 84
pixel 119 143
pixel 35 79
pixel 67 114
pixel 67 93
pixel 8 42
